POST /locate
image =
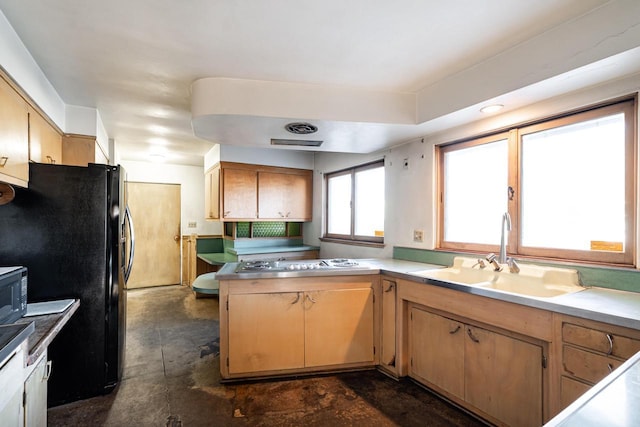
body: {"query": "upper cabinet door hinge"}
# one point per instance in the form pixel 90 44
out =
pixel 227 303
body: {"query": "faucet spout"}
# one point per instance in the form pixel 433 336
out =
pixel 506 227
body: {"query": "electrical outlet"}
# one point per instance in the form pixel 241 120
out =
pixel 417 235
pixel 192 224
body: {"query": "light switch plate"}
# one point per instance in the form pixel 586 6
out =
pixel 418 235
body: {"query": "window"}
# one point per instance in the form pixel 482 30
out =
pixel 355 203
pixel 568 184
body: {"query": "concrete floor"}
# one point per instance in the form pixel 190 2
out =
pixel 172 378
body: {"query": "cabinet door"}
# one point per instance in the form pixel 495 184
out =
pixel 239 194
pixel 35 388
pixel 437 351
pixel 14 135
pixel 212 193
pixel 503 377
pixel 45 143
pixel 388 326
pixel 338 327
pixel 12 389
pixel 266 332
pixel 284 196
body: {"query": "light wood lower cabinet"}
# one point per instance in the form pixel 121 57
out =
pixel 437 351
pixel 274 326
pixel 388 327
pixel 500 376
pixel 266 332
pixel 589 351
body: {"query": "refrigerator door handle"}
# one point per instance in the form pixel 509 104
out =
pixel 132 245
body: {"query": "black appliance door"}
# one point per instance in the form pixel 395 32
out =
pixel 59 229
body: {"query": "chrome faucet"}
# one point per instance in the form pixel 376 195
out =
pixel 506 223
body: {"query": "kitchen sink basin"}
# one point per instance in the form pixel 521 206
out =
pixel 532 280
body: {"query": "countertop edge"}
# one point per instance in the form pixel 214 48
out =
pixel 44 334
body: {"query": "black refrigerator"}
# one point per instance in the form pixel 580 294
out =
pixel 72 230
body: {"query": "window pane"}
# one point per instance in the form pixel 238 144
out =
pixel 475 192
pixel 339 205
pixel 573 185
pixel 369 200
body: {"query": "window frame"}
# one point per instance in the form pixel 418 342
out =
pixel 351 237
pixel 628 106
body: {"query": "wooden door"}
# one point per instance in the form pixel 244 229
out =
pixel 239 193
pixel 437 351
pixel 155 209
pixel 338 327
pixel 266 332
pixel 503 377
pixel 284 196
pixel 388 326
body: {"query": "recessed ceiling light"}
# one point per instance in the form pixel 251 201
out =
pixel 491 108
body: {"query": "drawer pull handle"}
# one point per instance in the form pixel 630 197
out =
pixel 390 288
pixel 610 338
pixel 311 299
pixel 610 366
pixel 3 161
pixel 473 338
pixel 455 330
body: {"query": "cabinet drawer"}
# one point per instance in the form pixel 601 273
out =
pixel 570 390
pixel 586 365
pixel 604 342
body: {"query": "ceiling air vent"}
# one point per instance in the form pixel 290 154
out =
pixel 300 143
pixel 301 128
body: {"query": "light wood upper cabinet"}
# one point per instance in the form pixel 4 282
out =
pixel 80 150
pixel 45 142
pixel 285 195
pixel 239 194
pixel 245 192
pixel 14 136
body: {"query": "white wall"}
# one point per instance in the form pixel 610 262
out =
pixel 20 65
pixel 191 180
pixel 410 193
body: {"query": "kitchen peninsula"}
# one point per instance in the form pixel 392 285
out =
pixel 529 372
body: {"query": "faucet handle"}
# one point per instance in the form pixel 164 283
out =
pixel 492 260
pixel 513 265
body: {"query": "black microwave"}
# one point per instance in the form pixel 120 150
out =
pixel 13 294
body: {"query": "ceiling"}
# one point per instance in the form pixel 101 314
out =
pixel 338 64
